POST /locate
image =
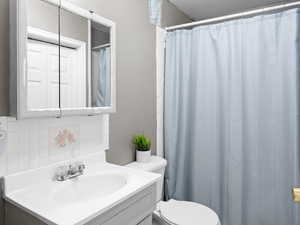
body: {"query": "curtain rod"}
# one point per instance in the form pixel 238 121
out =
pixel 236 15
pixel 101 46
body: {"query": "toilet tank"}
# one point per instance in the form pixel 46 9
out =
pixel 156 165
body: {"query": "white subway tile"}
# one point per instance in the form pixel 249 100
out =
pixel 30 143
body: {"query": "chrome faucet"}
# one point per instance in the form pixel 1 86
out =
pixel 69 172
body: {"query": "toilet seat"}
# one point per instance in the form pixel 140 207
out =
pixel 187 213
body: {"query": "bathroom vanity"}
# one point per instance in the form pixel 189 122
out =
pixel 104 194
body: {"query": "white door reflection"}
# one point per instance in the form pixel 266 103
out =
pixel 43 82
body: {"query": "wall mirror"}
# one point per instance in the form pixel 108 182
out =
pixel 65 58
pixel 42 56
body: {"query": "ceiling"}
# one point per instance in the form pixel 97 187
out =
pixel 201 9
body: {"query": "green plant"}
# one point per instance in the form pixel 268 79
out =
pixel 141 143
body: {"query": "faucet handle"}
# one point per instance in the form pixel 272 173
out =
pixel 81 166
pixel 61 173
pixel 76 167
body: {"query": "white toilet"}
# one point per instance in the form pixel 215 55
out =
pixel 175 212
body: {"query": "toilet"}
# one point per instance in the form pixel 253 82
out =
pixel 175 212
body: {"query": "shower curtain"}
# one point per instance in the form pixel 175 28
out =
pixel 231 118
pixel 101 77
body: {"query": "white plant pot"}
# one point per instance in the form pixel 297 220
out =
pixel 143 156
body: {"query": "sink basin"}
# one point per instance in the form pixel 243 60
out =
pixel 85 188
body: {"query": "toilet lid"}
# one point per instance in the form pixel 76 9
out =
pixel 187 213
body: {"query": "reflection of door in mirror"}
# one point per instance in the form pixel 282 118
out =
pixel 101 65
pixel 42 56
pixel 42 75
pixel 74 80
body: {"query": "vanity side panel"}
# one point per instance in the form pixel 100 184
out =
pixel 135 213
pixel 1 202
pixel 17 216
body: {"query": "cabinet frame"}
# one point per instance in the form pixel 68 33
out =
pixel 18 62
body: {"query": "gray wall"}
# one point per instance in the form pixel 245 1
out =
pixel 172 16
pixel 45 16
pixel 4 57
pixel 136 78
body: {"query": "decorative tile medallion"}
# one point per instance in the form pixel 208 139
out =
pixel 63 138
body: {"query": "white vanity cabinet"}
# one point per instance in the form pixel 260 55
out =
pixel 137 210
pixel 62 60
pixel 104 194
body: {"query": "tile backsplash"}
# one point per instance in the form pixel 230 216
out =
pixel 34 143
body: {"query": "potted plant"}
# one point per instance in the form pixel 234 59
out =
pixel 142 146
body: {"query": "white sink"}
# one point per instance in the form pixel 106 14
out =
pixel 87 187
pixel 79 200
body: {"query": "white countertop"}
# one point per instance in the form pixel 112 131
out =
pixel 35 192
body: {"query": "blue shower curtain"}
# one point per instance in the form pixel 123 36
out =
pixel 231 118
pixel 101 77
pixel 104 77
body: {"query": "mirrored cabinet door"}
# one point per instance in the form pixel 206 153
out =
pixel 86 74
pixel 42 79
pixel 74 78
